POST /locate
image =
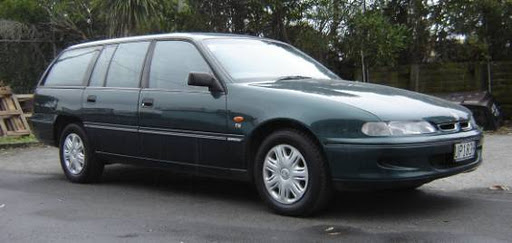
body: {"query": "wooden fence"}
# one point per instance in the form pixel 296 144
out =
pixel 450 77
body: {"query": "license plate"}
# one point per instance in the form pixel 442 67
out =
pixel 464 151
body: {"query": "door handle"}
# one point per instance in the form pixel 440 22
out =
pixel 147 102
pixel 91 98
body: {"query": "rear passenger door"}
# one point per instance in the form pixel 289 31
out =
pixel 178 122
pixel 110 102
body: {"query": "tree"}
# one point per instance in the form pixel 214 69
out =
pixel 332 31
pixel 413 15
pixel 483 28
pixel 380 40
pixel 129 17
pixel 25 48
pixel 24 11
pixel 71 21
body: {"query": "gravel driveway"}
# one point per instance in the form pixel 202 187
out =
pixel 140 204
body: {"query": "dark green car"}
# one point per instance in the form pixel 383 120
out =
pixel 245 108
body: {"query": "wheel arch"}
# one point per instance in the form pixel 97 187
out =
pixel 266 128
pixel 60 123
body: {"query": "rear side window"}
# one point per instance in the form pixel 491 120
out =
pixel 126 65
pixel 171 64
pixel 71 67
pixel 100 69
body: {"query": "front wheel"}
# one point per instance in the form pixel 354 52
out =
pixel 76 157
pixel 291 174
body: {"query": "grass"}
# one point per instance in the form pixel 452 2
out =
pixel 18 140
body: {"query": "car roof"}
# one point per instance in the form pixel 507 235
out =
pixel 191 36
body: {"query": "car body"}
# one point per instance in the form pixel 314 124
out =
pixel 217 125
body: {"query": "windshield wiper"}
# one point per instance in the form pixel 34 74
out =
pixel 292 77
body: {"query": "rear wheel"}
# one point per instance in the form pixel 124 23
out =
pixel 408 188
pixel 76 157
pixel 291 174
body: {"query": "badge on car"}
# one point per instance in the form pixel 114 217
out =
pixel 464 151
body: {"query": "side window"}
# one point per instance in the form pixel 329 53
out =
pixel 71 67
pixel 171 64
pixel 100 69
pixel 126 65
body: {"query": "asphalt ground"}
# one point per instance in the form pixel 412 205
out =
pixel 134 204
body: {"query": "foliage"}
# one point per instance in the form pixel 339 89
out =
pixel 380 40
pixel 25 11
pixel 69 21
pixel 128 17
pixel 414 16
pixel 484 28
pixel 387 32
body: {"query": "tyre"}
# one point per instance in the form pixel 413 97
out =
pixel 291 174
pixel 408 188
pixel 76 156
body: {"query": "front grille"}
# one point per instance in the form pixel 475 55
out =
pixel 455 126
pixel 449 127
pixel 465 125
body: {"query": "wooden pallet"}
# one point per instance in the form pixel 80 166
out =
pixel 12 119
pixel 27 103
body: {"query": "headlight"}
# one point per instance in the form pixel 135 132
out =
pixel 397 128
pixel 472 123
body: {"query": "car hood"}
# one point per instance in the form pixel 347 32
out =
pixel 385 102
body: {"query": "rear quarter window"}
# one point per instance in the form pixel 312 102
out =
pixel 71 67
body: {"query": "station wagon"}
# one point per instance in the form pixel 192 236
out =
pixel 246 109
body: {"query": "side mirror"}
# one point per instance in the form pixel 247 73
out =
pixel 205 80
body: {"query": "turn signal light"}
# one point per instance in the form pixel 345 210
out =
pixel 238 119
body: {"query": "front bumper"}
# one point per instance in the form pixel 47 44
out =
pixel 395 164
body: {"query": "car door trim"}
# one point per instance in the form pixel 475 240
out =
pixel 167 132
pixel 114 127
pixel 193 134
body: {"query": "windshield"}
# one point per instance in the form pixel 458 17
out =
pixel 255 60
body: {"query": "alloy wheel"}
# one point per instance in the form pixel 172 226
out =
pixel 73 153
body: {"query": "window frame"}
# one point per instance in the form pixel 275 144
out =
pixel 144 64
pixel 103 47
pixel 217 71
pixel 147 70
pixel 87 74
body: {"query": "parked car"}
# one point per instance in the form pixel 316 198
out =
pixel 482 105
pixel 245 108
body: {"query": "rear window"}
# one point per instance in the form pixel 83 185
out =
pixel 71 67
